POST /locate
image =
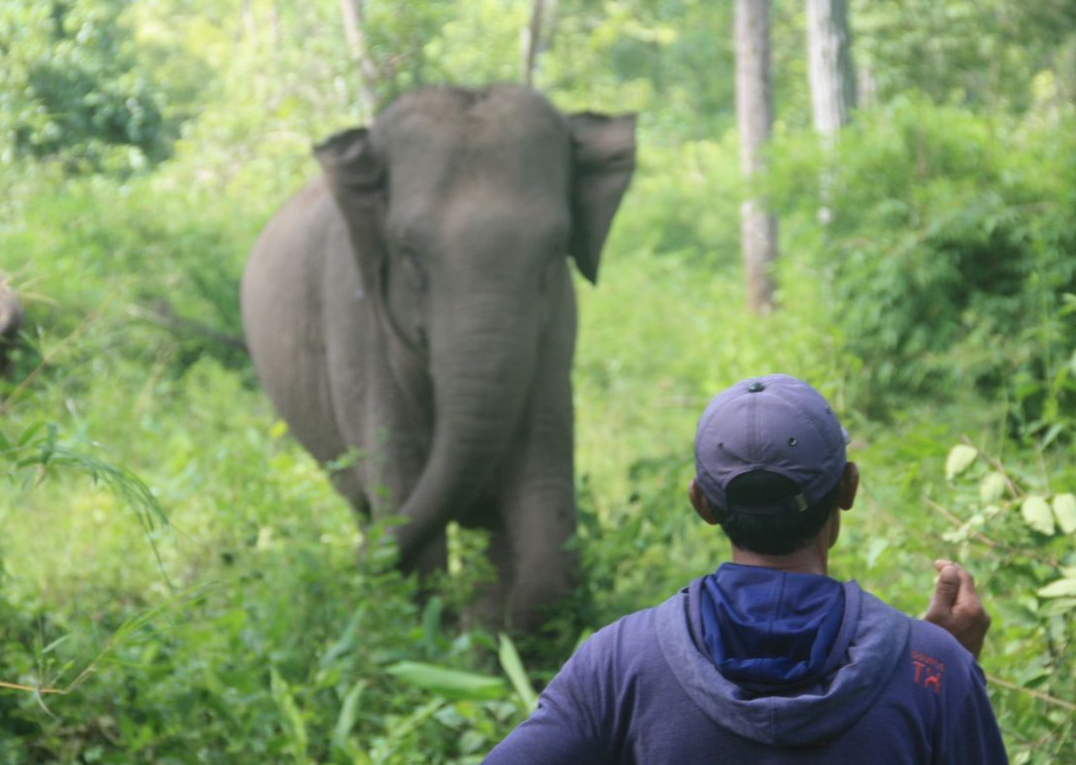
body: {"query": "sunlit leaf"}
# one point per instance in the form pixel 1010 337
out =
pixel 1065 512
pixel 1062 588
pixel 1037 514
pixel 960 458
pixel 349 713
pixel 513 667
pixel 450 683
pixel 992 487
pixel 290 714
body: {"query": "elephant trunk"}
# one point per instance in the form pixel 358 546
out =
pixel 482 380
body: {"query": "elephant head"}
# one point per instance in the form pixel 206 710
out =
pixel 462 208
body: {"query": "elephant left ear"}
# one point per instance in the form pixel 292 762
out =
pixel 604 160
pixel 355 177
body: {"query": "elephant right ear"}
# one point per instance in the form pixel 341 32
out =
pixel 355 176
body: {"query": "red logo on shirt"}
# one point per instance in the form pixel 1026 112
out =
pixel 928 671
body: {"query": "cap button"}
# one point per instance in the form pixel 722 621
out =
pixel 755 387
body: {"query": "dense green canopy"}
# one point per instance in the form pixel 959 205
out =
pixel 162 531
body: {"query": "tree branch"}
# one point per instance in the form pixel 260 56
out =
pixel 163 315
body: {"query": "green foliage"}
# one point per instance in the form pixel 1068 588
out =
pixel 983 53
pixel 940 296
pixel 950 253
pixel 74 87
pixel 1003 516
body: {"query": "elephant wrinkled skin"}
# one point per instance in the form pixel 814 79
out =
pixel 414 306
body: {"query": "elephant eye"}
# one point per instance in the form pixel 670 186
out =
pixel 413 266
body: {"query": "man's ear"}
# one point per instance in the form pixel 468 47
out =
pixel 700 503
pixel 848 486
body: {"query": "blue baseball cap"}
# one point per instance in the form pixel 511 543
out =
pixel 776 424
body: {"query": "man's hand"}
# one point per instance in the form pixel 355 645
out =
pixel 956 608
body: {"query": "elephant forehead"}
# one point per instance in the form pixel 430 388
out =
pixel 437 150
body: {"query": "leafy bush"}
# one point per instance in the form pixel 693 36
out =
pixel 1017 523
pixel 74 88
pixel 949 253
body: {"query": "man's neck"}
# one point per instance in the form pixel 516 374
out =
pixel 803 561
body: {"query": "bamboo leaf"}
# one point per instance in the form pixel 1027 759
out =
pixel 349 713
pixel 291 714
pixel 450 683
pixel 513 667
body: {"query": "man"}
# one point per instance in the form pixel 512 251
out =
pixel 768 660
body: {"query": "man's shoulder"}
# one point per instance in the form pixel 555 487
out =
pixel 631 638
pixel 630 627
pixel 931 653
pixel 922 634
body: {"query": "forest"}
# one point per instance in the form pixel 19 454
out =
pixel 179 578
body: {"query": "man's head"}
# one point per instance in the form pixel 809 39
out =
pixel 770 465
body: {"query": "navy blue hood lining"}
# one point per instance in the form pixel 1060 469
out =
pixel 772 631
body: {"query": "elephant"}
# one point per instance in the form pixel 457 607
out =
pixel 10 322
pixel 413 308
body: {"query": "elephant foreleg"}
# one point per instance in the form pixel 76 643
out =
pixel 540 521
pixel 538 514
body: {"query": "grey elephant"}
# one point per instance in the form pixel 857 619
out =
pixel 414 307
pixel 10 322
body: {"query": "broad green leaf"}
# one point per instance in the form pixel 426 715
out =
pixel 513 667
pixel 992 487
pixel 1058 607
pixel 960 458
pixel 349 713
pixel 1037 515
pixel 1065 512
pixel 1062 588
pixel 450 683
pixel 292 716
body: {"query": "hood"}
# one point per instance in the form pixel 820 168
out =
pixel 771 631
pixel 784 659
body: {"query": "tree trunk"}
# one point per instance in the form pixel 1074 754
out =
pixel 754 112
pixel 369 75
pixel 832 80
pixel 829 65
pixel 541 10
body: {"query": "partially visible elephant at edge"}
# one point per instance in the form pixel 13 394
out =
pixel 10 322
pixel 415 304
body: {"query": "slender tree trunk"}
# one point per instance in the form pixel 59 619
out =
pixel 754 112
pixel 369 75
pixel 832 79
pixel 541 10
pixel 829 65
pixel 250 28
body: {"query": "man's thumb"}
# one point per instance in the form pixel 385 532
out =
pixel 945 592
